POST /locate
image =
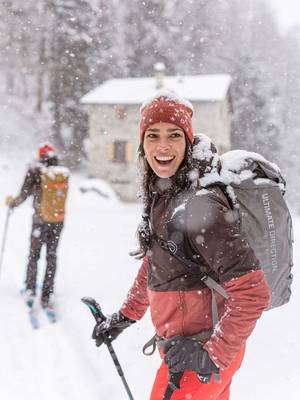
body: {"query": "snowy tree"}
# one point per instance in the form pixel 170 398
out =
pixel 104 30
pixel 290 137
pixel 257 120
pixel 146 36
pixel 248 54
pixel 69 74
pixel 54 51
pixel 16 45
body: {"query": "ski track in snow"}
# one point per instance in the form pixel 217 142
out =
pixel 60 361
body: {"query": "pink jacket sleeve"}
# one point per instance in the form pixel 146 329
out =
pixel 248 298
pixel 136 303
pixel 226 250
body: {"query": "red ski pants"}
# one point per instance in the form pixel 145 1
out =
pixel 190 386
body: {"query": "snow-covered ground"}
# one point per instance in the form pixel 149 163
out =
pixel 60 361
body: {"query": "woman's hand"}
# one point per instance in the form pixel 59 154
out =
pixel 111 327
pixel 183 353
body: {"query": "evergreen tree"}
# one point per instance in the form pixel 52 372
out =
pixel 15 41
pixel 69 74
pixel 146 35
pixel 290 135
pixel 104 56
pixel 57 50
pixel 257 118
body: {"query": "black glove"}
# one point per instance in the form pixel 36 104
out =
pixel 111 327
pixel 184 353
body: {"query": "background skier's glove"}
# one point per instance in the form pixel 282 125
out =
pixel 9 201
pixel 111 327
pixel 183 353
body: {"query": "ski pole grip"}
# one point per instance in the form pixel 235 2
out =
pixel 94 308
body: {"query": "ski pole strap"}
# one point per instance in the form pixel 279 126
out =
pixel 150 343
pixel 159 341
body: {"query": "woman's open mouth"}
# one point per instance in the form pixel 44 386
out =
pixel 164 160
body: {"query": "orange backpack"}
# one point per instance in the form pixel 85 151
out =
pixel 54 184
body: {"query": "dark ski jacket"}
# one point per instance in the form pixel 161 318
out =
pixel 32 186
pixel 180 303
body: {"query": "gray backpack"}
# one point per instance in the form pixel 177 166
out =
pixel 256 188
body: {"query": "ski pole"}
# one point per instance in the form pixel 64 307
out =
pixel 9 210
pixel 173 384
pixel 99 317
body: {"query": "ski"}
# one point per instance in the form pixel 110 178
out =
pixel 50 314
pixel 33 319
pixel 32 312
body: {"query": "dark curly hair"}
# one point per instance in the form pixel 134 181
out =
pixel 188 175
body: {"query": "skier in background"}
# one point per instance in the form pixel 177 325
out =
pixel 47 183
pixel 201 342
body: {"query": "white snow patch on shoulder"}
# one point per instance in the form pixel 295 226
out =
pixel 210 179
pixel 202 150
pixel 236 168
pixel 235 160
pixel 202 192
pixel 181 207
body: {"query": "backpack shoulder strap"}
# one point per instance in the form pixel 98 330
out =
pixel 204 277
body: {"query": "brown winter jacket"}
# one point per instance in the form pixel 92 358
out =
pixel 180 303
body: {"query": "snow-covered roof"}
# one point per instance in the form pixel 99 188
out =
pixel 136 90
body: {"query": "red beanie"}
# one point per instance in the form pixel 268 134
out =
pixel 167 107
pixel 46 150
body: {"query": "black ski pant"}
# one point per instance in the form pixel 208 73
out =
pixel 48 234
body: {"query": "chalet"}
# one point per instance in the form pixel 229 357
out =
pixel 113 109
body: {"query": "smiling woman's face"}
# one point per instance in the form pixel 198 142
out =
pixel 164 146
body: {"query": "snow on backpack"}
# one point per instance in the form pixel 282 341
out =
pixel 54 185
pixel 256 188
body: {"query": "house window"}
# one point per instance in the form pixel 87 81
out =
pixel 120 151
pixel 120 112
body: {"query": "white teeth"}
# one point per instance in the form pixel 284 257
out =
pixel 164 158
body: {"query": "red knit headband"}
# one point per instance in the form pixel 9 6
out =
pixel 167 109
